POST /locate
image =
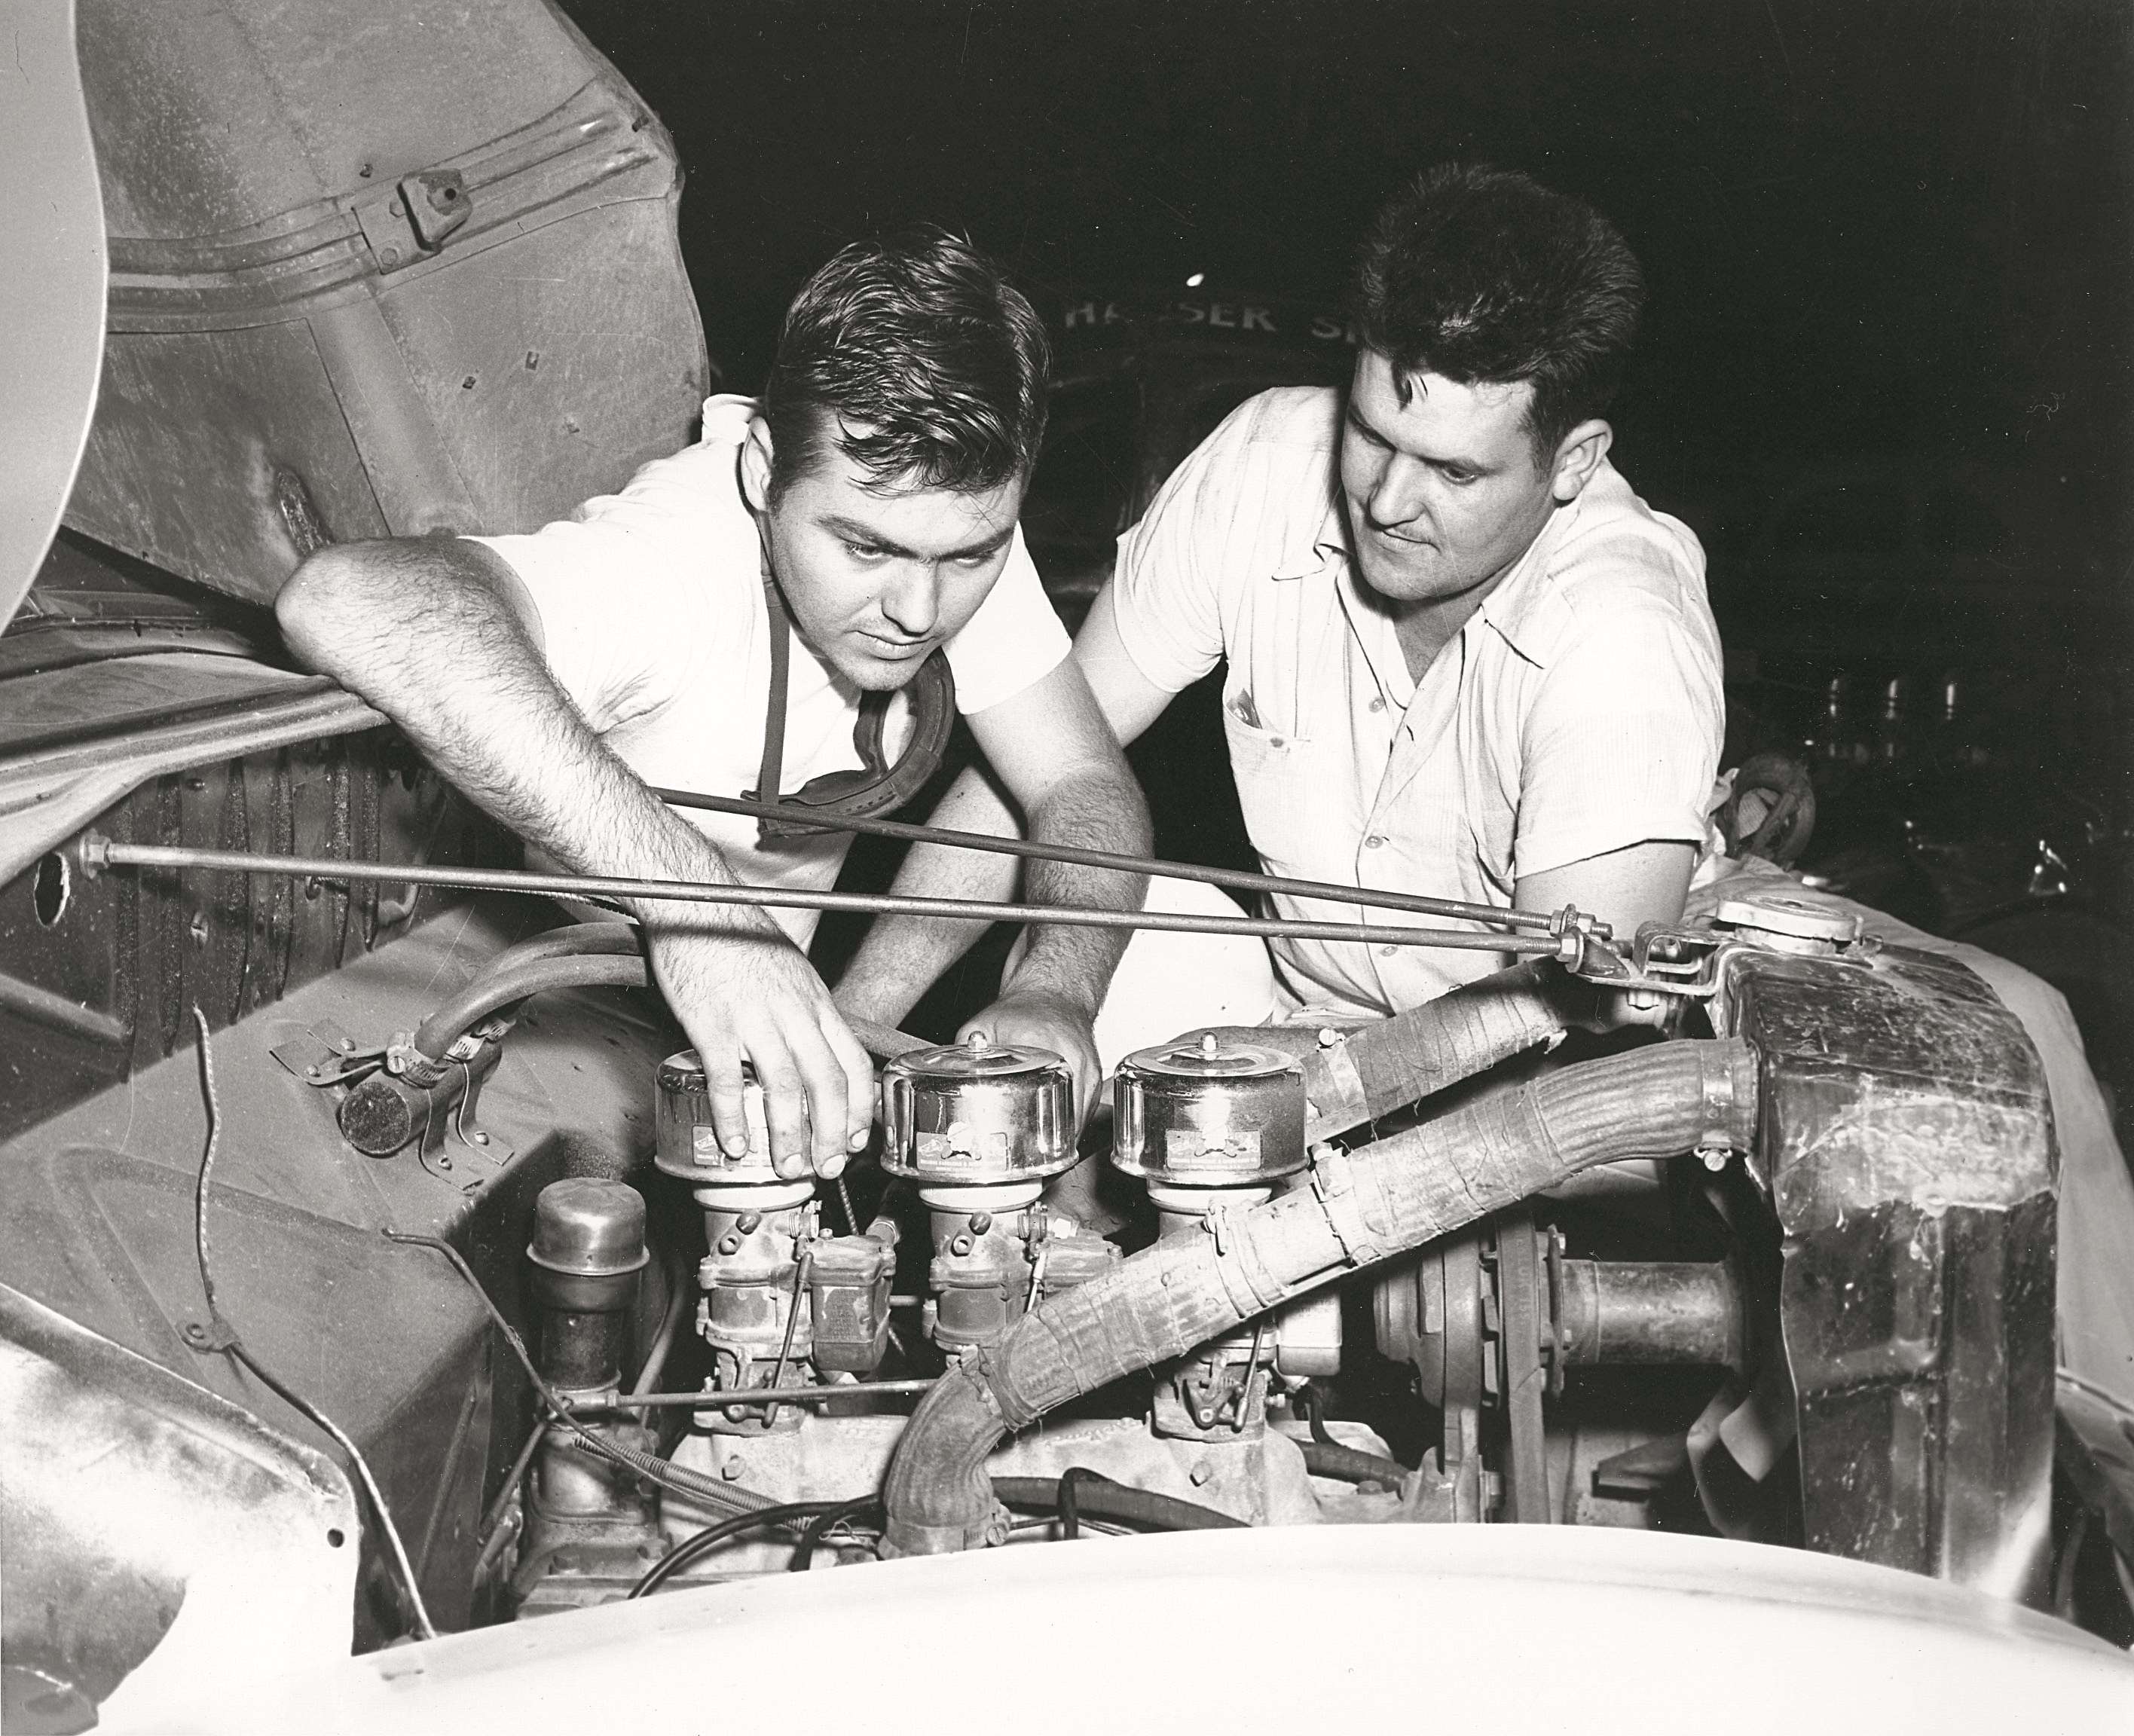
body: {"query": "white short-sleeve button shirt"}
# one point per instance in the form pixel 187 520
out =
pixel 653 619
pixel 1578 711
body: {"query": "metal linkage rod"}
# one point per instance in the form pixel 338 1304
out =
pixel 1415 903
pixel 748 1396
pixel 98 853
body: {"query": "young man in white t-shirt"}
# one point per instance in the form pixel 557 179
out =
pixel 556 678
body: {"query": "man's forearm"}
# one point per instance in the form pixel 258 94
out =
pixel 902 957
pixel 422 633
pixel 1102 811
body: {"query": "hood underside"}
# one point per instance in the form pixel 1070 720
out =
pixel 52 289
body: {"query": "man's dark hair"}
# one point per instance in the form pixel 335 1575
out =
pixel 920 347
pixel 1478 273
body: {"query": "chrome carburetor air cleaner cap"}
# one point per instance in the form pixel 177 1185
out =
pixel 1209 1113
pixel 975 1113
pixel 685 1142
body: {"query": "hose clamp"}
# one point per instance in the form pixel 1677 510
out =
pixel 1236 1255
pixel 972 1363
pixel 1725 1111
pixel 404 1061
pixel 1333 1186
pixel 1336 1089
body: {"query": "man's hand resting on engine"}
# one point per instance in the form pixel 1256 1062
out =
pixel 748 993
pixel 1045 1019
pixel 1056 757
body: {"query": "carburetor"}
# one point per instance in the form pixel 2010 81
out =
pixel 978 1127
pixel 782 1300
pixel 1212 1127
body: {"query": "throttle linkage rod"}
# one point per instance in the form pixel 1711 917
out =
pixel 1415 903
pixel 1572 929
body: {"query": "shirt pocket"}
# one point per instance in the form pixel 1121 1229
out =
pixel 1284 788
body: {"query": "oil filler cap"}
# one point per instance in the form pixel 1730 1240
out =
pixel 589 1228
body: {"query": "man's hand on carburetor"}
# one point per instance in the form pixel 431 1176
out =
pixel 1045 1018
pixel 1049 752
pixel 743 992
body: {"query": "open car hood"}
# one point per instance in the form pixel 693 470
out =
pixel 52 276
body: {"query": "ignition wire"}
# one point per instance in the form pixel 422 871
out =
pixel 1099 1496
pixel 818 1527
pixel 220 1335
pixel 700 1543
pixel 1070 1516
pixel 1076 1512
pixel 1324 1456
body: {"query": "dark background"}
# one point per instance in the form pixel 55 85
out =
pixel 1867 228
pixel 1890 250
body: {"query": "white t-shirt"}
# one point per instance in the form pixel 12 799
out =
pixel 1579 712
pixel 653 620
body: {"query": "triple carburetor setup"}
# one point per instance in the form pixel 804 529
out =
pixel 786 1298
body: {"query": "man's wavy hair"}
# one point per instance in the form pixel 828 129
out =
pixel 915 355
pixel 1478 273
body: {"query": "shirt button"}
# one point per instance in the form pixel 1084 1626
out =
pixel 1373 841
pixel 1377 705
pixel 1387 951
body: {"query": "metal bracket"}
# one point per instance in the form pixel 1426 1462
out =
pixel 325 1055
pixel 411 221
pixel 466 1142
pixel 1662 960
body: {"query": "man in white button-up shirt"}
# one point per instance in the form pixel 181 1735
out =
pixel 549 675
pixel 1464 659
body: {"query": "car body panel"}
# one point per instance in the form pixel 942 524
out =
pixel 1519 1627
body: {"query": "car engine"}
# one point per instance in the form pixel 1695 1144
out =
pixel 1784 1273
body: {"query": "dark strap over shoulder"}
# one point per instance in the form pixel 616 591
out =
pixel 877 787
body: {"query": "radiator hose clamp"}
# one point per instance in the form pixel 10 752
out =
pixel 1333 1186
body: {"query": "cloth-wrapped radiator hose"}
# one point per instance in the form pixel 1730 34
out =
pixel 1361 1207
pixel 1352 1075
pixel 1361 1074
